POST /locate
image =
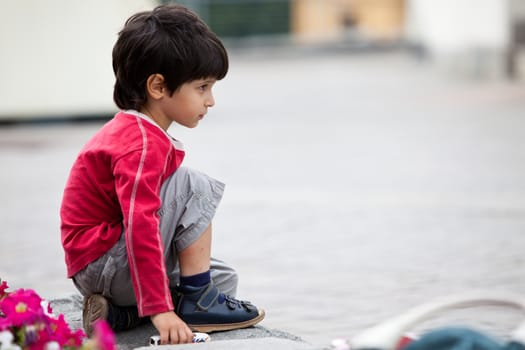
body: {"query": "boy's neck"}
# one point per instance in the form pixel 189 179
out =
pixel 149 118
pixel 162 122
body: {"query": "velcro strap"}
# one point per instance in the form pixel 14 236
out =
pixel 208 298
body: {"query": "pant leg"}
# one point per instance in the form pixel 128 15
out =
pixel 189 201
pixel 224 277
pixel 107 272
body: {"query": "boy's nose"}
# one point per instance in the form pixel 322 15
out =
pixel 210 102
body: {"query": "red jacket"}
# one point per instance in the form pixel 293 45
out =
pixel 115 183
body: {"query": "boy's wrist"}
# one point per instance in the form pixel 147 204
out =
pixel 162 313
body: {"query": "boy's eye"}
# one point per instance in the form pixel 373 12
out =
pixel 203 87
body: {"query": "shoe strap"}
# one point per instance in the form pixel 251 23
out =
pixel 208 297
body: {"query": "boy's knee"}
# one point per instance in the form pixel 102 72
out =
pixel 190 180
pixel 194 179
pixel 196 183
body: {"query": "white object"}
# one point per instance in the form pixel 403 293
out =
pixel 6 341
pixel 198 337
pixel 386 335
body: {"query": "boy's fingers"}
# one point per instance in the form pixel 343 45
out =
pixel 182 337
pixel 164 338
pixel 174 336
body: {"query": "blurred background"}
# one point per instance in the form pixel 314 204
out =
pixel 373 150
pixel 59 44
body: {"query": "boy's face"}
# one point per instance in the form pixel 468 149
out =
pixel 190 103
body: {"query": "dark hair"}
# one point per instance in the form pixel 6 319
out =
pixel 170 40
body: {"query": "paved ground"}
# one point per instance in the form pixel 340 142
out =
pixel 358 186
pixel 257 337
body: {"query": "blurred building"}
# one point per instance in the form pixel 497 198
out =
pixel 303 20
pixel 470 38
pixel 333 19
pixel 60 50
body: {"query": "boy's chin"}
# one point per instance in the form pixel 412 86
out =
pixel 190 125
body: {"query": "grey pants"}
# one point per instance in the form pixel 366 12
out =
pixel 189 201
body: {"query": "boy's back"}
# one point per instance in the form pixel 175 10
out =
pixel 99 195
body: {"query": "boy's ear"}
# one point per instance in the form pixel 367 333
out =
pixel 155 86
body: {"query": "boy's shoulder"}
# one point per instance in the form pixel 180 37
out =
pixel 127 131
pixel 126 123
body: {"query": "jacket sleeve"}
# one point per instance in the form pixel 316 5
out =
pixel 138 175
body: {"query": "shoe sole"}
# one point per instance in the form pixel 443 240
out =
pixel 95 308
pixel 208 328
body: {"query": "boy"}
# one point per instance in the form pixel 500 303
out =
pixel 135 226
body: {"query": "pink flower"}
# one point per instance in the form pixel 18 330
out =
pixel 104 336
pixel 32 339
pixel 76 338
pixel 32 326
pixel 57 330
pixel 22 307
pixel 63 334
pixel 3 287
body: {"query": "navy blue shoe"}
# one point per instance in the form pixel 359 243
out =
pixel 205 309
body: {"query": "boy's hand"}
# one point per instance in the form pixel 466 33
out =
pixel 172 329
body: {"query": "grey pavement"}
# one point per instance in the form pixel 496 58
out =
pixel 358 186
pixel 249 338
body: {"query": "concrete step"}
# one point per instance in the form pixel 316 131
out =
pixel 253 338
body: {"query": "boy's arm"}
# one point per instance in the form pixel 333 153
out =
pixel 137 180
